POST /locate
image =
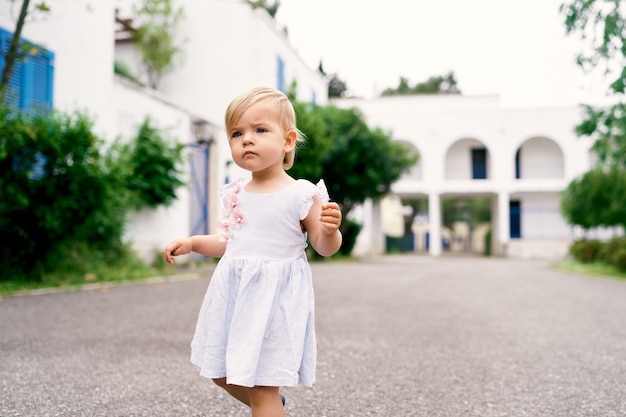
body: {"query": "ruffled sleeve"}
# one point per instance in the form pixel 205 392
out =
pixel 319 190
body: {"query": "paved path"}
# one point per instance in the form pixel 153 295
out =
pixel 398 336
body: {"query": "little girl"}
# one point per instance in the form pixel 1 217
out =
pixel 255 331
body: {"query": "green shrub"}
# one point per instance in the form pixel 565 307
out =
pixel 350 230
pixel 609 248
pixel 53 185
pixel 63 200
pixel 619 259
pixel 585 250
pixel 487 249
pixel 152 164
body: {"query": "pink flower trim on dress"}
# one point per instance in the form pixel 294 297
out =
pixel 233 219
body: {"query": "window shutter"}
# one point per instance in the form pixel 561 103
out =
pixel 32 80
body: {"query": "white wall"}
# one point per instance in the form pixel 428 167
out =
pixel 541 217
pixel 151 230
pixel 228 48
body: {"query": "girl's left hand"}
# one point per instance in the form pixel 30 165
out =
pixel 330 218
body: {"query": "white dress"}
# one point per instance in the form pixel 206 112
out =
pixel 256 324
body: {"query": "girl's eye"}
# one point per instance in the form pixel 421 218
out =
pixel 235 135
pixel 261 130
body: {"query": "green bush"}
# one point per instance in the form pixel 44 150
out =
pixel 609 248
pixel 53 186
pixel 585 251
pixel 619 259
pixel 488 244
pixel 350 230
pixel 60 191
pixel 153 173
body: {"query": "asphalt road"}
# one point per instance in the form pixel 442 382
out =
pixel 398 336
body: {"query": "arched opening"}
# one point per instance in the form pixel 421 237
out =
pixel 539 158
pixel 467 159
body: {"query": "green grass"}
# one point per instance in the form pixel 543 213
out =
pixel 68 279
pixel 595 269
pixel 79 267
pixel 89 271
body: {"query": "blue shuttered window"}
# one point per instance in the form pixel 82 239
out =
pixel 32 80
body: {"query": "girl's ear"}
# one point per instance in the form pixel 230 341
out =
pixel 290 141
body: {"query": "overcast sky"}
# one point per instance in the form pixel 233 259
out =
pixel 517 49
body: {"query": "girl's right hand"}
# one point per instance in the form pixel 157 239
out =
pixel 175 248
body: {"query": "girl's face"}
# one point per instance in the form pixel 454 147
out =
pixel 257 141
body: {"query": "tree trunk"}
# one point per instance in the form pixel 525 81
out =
pixel 12 53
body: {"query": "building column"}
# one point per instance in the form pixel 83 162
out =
pixel 434 224
pixel 378 235
pixel 504 228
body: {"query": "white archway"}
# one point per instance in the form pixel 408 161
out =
pixel 467 159
pixel 539 158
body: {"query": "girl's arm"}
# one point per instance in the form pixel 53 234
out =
pixel 322 225
pixel 208 245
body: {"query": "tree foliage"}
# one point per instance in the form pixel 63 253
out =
pixel 153 167
pixel 54 188
pixel 469 210
pixel 336 86
pixel 596 199
pixel 356 162
pixel 155 37
pixel 600 24
pixel 270 8
pixel 61 189
pixel 445 84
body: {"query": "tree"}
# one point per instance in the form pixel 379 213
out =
pixel 13 53
pixel 596 199
pixel 361 163
pixel 355 161
pixel 154 37
pixel 271 9
pixel 446 84
pixel 600 24
pixel 336 87
pixel 152 164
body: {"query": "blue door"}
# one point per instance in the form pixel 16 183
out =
pixel 515 219
pixel 199 162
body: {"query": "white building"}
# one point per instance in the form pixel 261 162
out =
pixel 520 158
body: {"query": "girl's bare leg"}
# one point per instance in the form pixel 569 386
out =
pixel 266 402
pixel 236 391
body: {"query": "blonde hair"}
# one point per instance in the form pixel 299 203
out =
pixel 283 113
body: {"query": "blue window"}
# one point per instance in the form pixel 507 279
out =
pixel 31 84
pixel 479 163
pixel 280 74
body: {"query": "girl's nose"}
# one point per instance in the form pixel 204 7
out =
pixel 247 138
